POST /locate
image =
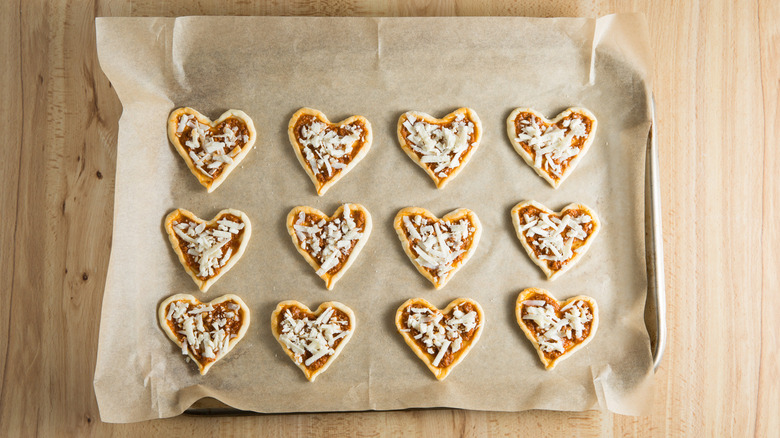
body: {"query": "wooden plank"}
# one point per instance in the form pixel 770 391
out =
pixel 10 115
pixel 768 399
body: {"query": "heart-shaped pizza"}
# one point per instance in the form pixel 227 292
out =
pixel 552 148
pixel 438 248
pixel 440 338
pixel 207 250
pixel 555 241
pixel 442 147
pixel 556 329
pixel 206 332
pixel 329 244
pixel 313 340
pixel 211 149
pixel 328 151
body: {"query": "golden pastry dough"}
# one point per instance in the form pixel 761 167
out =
pixel 556 330
pixel 211 149
pixel 455 331
pixel 197 320
pixel 325 332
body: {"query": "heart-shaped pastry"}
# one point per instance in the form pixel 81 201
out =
pixel 555 241
pixel 552 148
pixel 205 332
pixel 327 151
pixel 442 147
pixel 556 329
pixel 440 338
pixel 207 250
pixel 313 340
pixel 438 248
pixel 211 149
pixel 329 244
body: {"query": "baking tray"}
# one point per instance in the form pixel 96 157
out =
pixel 655 306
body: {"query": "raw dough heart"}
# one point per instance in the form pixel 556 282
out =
pixel 442 147
pixel 207 250
pixel 211 330
pixel 552 148
pixel 454 331
pixel 328 151
pixel 553 246
pixel 211 149
pixel 556 329
pixel 329 244
pixel 313 340
pixel 438 248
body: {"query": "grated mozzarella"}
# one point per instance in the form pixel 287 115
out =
pixel 437 144
pixel 317 337
pixel 324 149
pixel 187 319
pixel 439 337
pixel 205 244
pixel 551 144
pixel 554 329
pixel 554 237
pixel 329 242
pixel 438 245
pixel 209 149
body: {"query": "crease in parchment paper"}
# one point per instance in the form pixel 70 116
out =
pixel 379 68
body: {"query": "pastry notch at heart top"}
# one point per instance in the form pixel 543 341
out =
pixel 438 248
pixel 555 241
pixel 552 148
pixel 211 149
pixel 329 244
pixel 328 151
pixel 556 329
pixel 207 250
pixel 441 339
pixel 442 147
pixel 312 340
pixel 205 332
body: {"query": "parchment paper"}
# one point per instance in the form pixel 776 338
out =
pixel 378 68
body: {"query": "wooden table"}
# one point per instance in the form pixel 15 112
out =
pixel 716 84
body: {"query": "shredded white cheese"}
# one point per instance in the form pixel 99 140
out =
pixel 552 145
pixel 554 329
pixel 437 243
pixel 437 334
pixel 209 149
pixel 205 244
pixel 318 337
pixel 439 147
pixel 324 149
pixel 329 242
pixel 209 341
pixel 554 237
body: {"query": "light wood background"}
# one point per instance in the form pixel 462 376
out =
pixel 717 77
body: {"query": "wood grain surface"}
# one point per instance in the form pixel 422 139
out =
pixel 717 86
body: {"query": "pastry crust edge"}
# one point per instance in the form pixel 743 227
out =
pixel 452 216
pixel 330 280
pixel 439 373
pixel 468 113
pixel 552 275
pixel 204 285
pixel 312 375
pixel 321 188
pixel 512 134
pixel 245 318
pixel 209 183
pixel 550 364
